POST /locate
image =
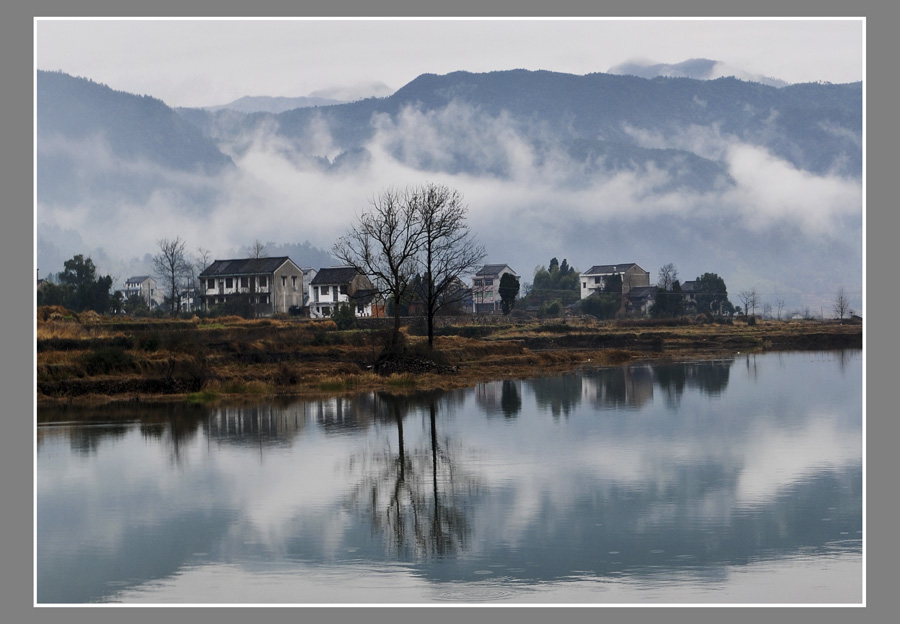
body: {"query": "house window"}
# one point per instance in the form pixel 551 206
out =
pixel 210 284
pixel 488 282
pixel 478 282
pixel 265 298
pixel 283 281
pixel 229 282
pixel 263 281
pixel 326 290
pixel 244 282
pixel 344 289
pixel 584 284
pixel 294 282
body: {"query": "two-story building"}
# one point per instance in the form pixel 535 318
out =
pixel 252 286
pixel 144 287
pixel 594 280
pixel 334 286
pixel 689 295
pixel 486 288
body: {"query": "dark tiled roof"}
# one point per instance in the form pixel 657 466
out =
pixel 493 269
pixel 688 286
pixel 335 275
pixel 609 268
pixel 364 296
pixel 245 266
pixel 642 292
pixel 137 279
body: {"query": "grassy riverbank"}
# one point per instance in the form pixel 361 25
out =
pixel 88 358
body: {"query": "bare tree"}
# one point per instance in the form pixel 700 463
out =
pixel 204 259
pixel 173 269
pixel 667 276
pixel 383 244
pixel 779 305
pixel 749 299
pixel 447 248
pixel 841 305
pixel 767 310
pixel 257 249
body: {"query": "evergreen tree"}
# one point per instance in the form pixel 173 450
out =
pixel 509 290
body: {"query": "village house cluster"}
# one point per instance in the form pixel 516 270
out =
pixel 277 285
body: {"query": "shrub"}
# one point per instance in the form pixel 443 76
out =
pixel 286 375
pixel 344 318
pixel 106 360
pixel 149 342
pixel 203 396
pixel 552 309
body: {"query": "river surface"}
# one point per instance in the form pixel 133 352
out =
pixel 735 481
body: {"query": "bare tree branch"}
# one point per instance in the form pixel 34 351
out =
pixel 383 244
pixel 172 269
pixel 448 248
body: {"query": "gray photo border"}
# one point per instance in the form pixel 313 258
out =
pixel 16 582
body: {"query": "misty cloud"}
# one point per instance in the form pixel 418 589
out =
pixel 527 204
pixel 770 191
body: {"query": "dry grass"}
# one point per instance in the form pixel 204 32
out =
pixel 60 328
pixel 288 356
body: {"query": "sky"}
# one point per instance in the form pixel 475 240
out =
pixel 207 62
pixel 775 216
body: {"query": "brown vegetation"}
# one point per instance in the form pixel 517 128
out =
pixel 95 358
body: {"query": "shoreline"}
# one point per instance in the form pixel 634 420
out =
pixel 87 360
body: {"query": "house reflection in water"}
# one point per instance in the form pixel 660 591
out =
pixel 623 386
pixel 279 423
pixel 500 397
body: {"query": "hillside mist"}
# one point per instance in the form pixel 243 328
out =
pixel 758 183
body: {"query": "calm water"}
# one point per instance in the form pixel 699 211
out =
pixel 734 481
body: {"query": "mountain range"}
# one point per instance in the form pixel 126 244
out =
pixel 697 68
pixel 642 168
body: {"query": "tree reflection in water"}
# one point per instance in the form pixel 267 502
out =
pixel 416 497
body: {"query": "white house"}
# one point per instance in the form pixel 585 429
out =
pixel 308 275
pixel 143 286
pixel 338 285
pixel 254 286
pixel 595 279
pixel 486 288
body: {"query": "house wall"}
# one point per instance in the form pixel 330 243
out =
pixel 323 298
pixel 226 288
pixel 631 278
pixel 486 297
pixel 147 291
pixel 286 288
pixel 322 302
pixel 267 293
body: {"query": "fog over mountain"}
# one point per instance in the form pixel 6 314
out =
pixel 266 104
pixel 760 184
pixel 700 69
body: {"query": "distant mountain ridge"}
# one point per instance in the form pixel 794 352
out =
pixel 603 122
pixel 85 129
pixel 697 68
pixel 593 167
pixel 816 127
pixel 134 126
pixel 266 104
